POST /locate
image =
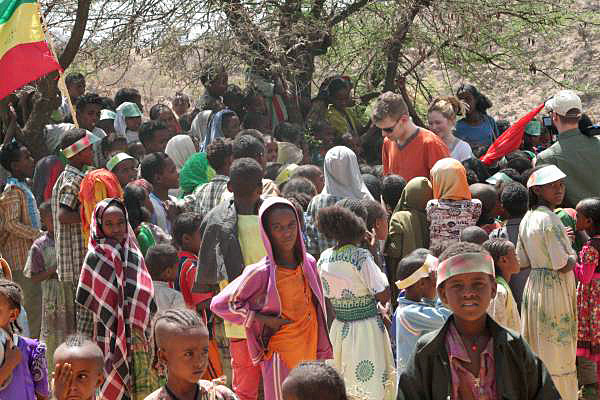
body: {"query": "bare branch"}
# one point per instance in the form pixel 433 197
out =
pixel 347 12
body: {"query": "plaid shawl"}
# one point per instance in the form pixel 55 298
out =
pixel 117 288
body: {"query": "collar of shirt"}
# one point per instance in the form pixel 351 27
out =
pixel 457 350
pixel 570 134
pixel 74 170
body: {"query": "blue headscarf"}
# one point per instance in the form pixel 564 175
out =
pixel 215 128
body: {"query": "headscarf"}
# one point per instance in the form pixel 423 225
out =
pixel 179 149
pixel 463 264
pixel 289 153
pixel 194 173
pixel 116 287
pixel 409 218
pixel 449 180
pixel 125 110
pixel 342 175
pixel 215 128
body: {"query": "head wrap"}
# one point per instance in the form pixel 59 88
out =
pixel 449 180
pixel 285 174
pixel 289 153
pixel 80 145
pixel 117 288
pixel 125 110
pixel 424 270
pixel 194 173
pixel 215 128
pixel 179 149
pixel 116 159
pixel 107 114
pixel 464 264
pixel 342 175
pixel 499 177
pixel 548 174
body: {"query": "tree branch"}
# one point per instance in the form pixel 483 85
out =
pixel 81 18
pixel 347 12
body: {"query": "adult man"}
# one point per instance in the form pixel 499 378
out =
pixel 576 154
pixel 408 150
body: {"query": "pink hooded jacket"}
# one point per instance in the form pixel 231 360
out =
pixel 255 291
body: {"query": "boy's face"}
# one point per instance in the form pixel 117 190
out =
pixel 169 177
pixel 126 171
pixel 168 118
pixel 193 242
pixel 89 116
pixel 231 127
pixel 86 374
pixel 468 295
pixel 158 142
pixel 170 273
pixel 25 165
pixel 185 354
pixel 84 157
pixel 76 89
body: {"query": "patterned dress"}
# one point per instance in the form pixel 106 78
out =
pixel 549 319
pixel 588 300
pixel 448 218
pixel 361 346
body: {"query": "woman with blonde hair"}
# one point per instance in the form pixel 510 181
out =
pixel 442 114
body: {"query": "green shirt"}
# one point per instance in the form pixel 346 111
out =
pixel 578 156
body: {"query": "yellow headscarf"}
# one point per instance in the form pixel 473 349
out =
pixel 449 180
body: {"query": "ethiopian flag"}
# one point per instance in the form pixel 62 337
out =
pixel 24 53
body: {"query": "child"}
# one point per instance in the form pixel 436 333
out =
pixel 548 313
pixel 504 308
pixel 79 370
pixel 179 349
pixel 408 229
pixel 314 380
pixel 279 300
pixel 471 356
pixel 139 208
pixel 161 261
pixel 392 187
pixel 488 197
pixel 515 202
pixel 220 156
pixel 41 267
pixel 128 121
pixel 187 237
pixel 20 225
pixel 24 372
pixel 586 272
pixel 136 150
pixel 70 246
pixel 311 172
pixel 377 224
pixel 474 234
pixel 163 113
pixel 354 284
pixel 452 208
pixel 113 144
pixel 116 287
pixel 417 311
pixel 124 166
pixel 154 136
pixel 160 171
pixel 231 241
pixel 88 114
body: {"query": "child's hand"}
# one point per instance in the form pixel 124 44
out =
pixel 63 376
pixel 12 355
pixel 275 323
pixel 570 234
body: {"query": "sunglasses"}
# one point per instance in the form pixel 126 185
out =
pixel 391 128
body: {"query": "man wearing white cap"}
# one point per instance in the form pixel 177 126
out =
pixel 576 154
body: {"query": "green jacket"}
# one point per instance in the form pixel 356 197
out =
pixel 519 373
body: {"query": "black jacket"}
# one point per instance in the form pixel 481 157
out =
pixel 519 373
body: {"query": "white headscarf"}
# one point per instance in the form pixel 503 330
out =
pixel 342 175
pixel 179 149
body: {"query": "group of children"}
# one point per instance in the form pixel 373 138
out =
pixel 187 258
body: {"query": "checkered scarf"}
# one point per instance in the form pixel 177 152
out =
pixel 115 285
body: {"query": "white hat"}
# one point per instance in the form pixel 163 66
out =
pixel 547 174
pixel 563 102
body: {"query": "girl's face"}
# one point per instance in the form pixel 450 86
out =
pixel 114 224
pixel 133 123
pixel 168 118
pixel 552 193
pixel 185 355
pixel 439 124
pixel 282 227
pixel 583 223
pixel 469 99
pixel 509 264
pixel 8 312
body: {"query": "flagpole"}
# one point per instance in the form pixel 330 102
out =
pixel 62 86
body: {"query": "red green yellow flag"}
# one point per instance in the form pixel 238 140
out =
pixel 24 53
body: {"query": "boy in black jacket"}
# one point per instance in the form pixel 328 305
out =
pixel 472 357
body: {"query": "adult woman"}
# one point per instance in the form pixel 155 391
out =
pixel 477 128
pixel 342 181
pixel 442 119
pixel 179 149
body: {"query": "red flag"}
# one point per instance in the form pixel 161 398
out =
pixel 511 139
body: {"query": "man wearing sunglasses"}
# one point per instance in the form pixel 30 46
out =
pixel 408 150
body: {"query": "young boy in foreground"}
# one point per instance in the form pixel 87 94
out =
pixel 471 356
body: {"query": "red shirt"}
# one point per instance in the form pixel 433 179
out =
pixel 414 158
pixel 188 266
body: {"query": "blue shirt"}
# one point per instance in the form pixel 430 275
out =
pixel 412 320
pixel 480 135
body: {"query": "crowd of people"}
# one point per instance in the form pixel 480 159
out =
pixel 216 250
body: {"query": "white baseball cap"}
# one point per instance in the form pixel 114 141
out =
pixel 563 102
